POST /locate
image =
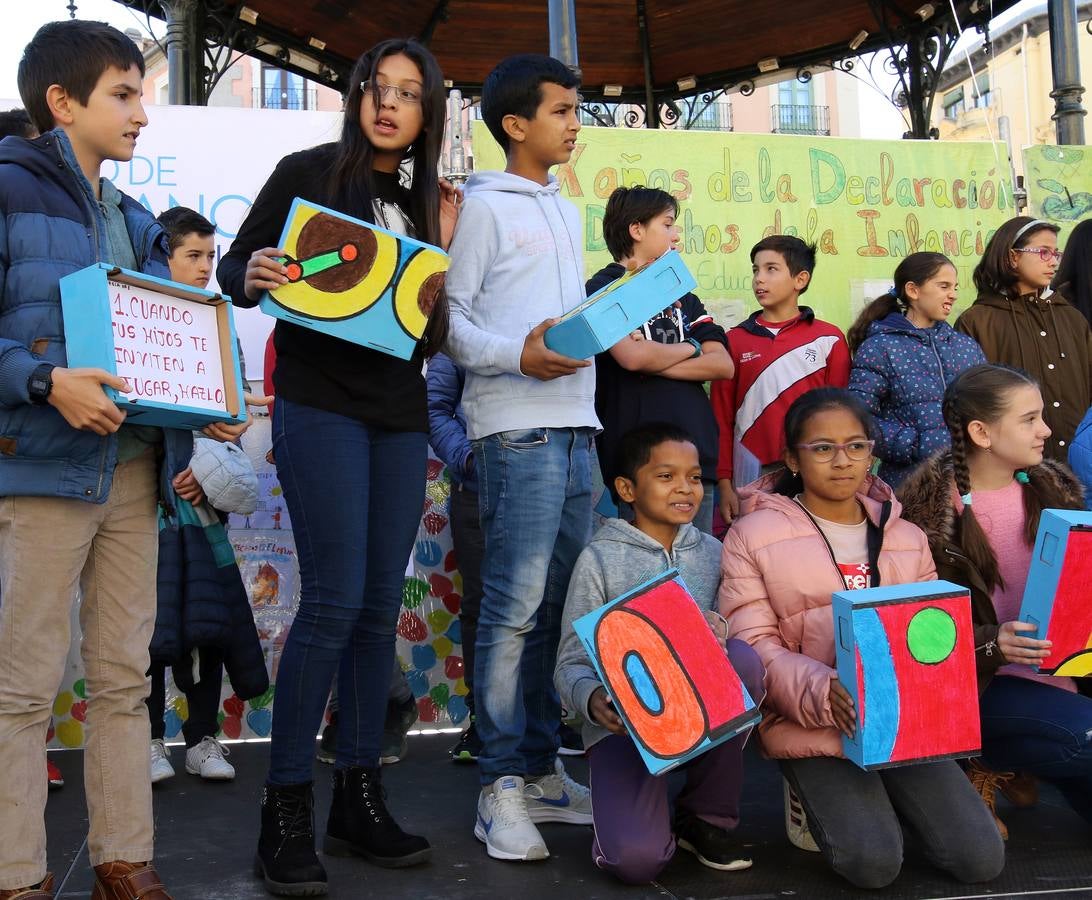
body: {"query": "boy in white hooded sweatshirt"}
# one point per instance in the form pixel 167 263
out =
pixel 516 266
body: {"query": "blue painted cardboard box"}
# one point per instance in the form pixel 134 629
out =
pixel 1056 597
pixel 175 345
pixel 356 281
pixel 666 673
pixel 905 653
pixel 620 307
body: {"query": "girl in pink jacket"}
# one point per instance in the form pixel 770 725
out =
pixel 821 525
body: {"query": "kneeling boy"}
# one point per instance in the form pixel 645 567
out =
pixel 635 834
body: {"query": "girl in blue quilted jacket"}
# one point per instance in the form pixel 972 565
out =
pixel 905 354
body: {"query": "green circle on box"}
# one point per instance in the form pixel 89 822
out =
pixel 931 635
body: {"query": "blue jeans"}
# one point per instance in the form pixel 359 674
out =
pixel 354 494
pixel 535 496
pixel 1028 726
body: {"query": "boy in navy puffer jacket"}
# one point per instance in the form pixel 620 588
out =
pixel 78 488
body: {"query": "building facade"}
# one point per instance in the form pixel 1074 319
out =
pixel 1004 93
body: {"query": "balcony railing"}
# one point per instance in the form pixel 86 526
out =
pixel 793 118
pixel 693 113
pixel 272 97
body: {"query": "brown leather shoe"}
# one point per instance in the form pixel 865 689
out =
pixel 43 891
pixel 1023 791
pixel 988 782
pixel 128 881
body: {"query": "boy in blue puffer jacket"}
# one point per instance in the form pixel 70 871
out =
pixel 78 487
pixel 905 354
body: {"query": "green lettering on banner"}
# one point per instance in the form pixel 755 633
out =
pixel 875 201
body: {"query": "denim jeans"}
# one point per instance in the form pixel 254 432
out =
pixel 535 495
pixel 354 494
pixel 1028 726
pixel 856 818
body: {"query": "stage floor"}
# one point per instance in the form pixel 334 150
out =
pixel 205 837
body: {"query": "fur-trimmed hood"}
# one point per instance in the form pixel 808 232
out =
pixel 930 501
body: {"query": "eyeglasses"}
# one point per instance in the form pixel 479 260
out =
pixel 824 451
pixel 403 95
pixel 1046 254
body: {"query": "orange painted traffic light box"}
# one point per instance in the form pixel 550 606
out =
pixel 666 673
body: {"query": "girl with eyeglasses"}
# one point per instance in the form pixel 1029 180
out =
pixel 904 356
pixel 1018 322
pixel 350 439
pixel 824 524
pixel 980 507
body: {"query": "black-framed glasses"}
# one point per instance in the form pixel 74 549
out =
pixel 380 90
pixel 1046 254
pixel 825 451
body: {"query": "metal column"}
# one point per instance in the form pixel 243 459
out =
pixel 182 24
pixel 1066 71
pixel 652 108
pixel 563 32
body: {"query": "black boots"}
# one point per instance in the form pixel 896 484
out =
pixel 286 858
pixel 360 824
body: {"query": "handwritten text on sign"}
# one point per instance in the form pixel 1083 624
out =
pixel 167 349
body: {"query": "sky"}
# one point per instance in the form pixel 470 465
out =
pixel 878 118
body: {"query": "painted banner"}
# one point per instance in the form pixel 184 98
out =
pixel 1059 185
pixel 866 204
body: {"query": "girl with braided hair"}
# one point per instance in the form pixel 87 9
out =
pixel 979 505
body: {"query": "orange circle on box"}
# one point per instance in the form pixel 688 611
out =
pixel 681 724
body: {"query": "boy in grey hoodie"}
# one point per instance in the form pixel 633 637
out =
pixel 516 266
pixel 635 837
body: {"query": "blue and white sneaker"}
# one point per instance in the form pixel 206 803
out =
pixel 557 798
pixel 503 824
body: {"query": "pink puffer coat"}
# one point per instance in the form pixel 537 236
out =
pixel 777 580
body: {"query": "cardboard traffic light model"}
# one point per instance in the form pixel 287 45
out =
pixel 906 655
pixel 666 673
pixel 1056 594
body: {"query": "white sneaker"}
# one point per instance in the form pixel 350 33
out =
pixel 161 762
pixel 503 824
pixel 557 798
pixel 796 822
pixel 207 760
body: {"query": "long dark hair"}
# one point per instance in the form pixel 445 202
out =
pixel 983 393
pixel 917 268
pixel 1075 269
pixel 994 273
pixel 351 179
pixel 801 411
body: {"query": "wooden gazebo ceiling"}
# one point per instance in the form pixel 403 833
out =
pixel 718 42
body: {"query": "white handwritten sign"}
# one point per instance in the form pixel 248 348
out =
pixel 166 348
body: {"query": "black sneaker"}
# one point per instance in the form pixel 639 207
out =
pixel 360 823
pixel 286 860
pixel 714 847
pixel 400 719
pixel 327 749
pixel 572 744
pixel 468 747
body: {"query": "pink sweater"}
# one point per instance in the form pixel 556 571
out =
pixel 1001 515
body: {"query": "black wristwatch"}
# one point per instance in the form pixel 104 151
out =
pixel 40 383
pixel 697 346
